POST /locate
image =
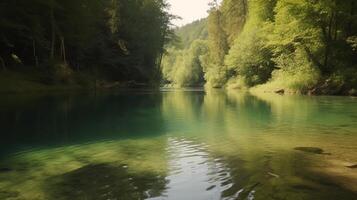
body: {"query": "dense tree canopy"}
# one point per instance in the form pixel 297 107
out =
pixel 116 39
pixel 187 34
pixel 181 65
pixel 282 45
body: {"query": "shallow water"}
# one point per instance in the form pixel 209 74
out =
pixel 178 145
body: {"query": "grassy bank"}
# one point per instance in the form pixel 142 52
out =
pixel 38 80
pixel 34 81
pixel 327 86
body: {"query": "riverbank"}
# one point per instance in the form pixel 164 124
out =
pixel 37 81
pixel 326 86
pixel 17 82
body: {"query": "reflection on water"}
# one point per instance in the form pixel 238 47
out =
pixel 178 145
pixel 192 173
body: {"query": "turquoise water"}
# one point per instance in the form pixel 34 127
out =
pixel 178 145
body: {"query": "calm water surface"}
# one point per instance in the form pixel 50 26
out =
pixel 178 145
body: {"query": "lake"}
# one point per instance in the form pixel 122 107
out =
pixel 179 145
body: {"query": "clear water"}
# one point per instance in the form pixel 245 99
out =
pixel 178 145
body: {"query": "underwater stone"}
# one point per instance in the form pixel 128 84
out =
pixel 8 194
pixel 352 166
pixel 281 91
pixel 102 182
pixel 210 188
pixel 314 150
pixel 248 191
pixel 5 169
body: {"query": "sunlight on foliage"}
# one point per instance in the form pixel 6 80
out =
pixel 288 45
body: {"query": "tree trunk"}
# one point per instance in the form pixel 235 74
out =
pixel 327 53
pixel 3 63
pixel 245 9
pixel 328 43
pixel 34 52
pixel 312 57
pixel 162 48
pixel 336 27
pixel 329 36
pixel 95 79
pixel 63 50
pixel 53 34
pixel 349 25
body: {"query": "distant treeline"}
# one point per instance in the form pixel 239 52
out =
pixel 119 40
pixel 307 46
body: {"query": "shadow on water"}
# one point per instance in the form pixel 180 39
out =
pixel 51 120
pixel 104 181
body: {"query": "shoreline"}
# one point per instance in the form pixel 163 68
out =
pixel 17 82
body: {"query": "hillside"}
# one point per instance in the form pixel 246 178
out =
pixel 193 31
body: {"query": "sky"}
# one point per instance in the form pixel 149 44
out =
pixel 189 10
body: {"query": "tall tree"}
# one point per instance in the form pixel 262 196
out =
pixel 213 62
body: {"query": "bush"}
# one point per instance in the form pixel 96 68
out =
pixel 62 73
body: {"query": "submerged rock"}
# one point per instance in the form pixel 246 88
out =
pixel 8 194
pixel 104 181
pixel 282 91
pixel 248 192
pixel 314 150
pixel 210 188
pixel 352 166
pixel 5 169
pixel 273 175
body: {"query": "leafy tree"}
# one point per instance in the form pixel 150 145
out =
pixel 286 45
pixel 183 68
pixel 197 30
pixel 235 14
pixel 104 36
pixel 249 59
pixel 213 61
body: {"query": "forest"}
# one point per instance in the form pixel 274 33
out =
pixel 82 42
pixel 282 46
pixel 178 99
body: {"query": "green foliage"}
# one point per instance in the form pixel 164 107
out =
pixel 62 73
pixel 85 34
pixel 215 75
pixel 308 40
pixel 249 59
pixel 197 30
pixel 182 68
pixel 234 17
pixel 296 72
pixel 238 44
pixel 213 62
pixel 275 45
pixel 353 42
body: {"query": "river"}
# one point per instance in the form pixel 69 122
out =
pixel 180 145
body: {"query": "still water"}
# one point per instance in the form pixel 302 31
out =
pixel 177 145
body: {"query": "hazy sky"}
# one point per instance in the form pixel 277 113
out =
pixel 189 10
